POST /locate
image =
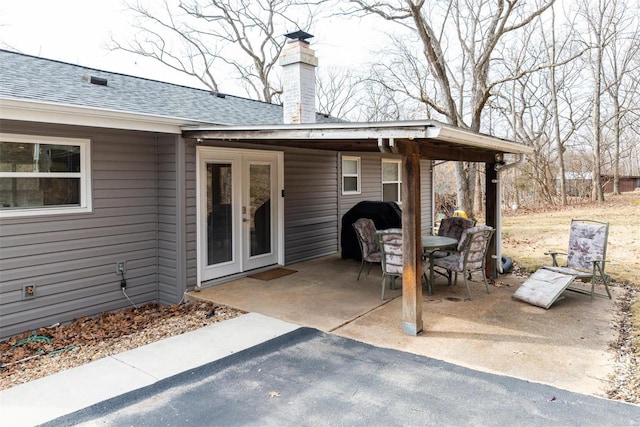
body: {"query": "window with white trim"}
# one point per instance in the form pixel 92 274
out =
pixel 391 180
pixel 350 175
pixel 44 175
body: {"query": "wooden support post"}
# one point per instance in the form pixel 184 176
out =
pixel 411 241
pixel 491 215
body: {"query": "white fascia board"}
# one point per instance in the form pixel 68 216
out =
pixel 308 134
pixel 411 130
pixel 318 131
pixel 416 126
pixel 465 137
pixel 46 112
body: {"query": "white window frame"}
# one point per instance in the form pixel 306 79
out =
pixel 357 175
pixel 398 182
pixel 84 175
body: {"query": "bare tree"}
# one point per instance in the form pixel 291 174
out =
pixel 620 62
pixel 600 18
pixel 458 64
pixel 338 92
pixel 216 40
pixel 380 103
pixel 556 110
pixel 563 77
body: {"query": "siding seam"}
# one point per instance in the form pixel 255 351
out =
pixel 157 224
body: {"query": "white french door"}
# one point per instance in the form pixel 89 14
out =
pixel 239 211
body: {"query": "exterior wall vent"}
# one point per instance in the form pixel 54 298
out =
pixel 95 80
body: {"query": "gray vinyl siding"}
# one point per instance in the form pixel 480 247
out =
pixel 71 259
pixel 191 221
pixel 371 186
pixel 370 181
pixel 426 181
pixel 171 260
pixel 310 204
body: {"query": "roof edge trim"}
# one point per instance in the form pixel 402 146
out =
pixel 467 137
pixel 409 130
pixel 49 112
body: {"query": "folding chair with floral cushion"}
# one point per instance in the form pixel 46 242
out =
pixel 470 257
pixel 586 256
pixel 390 243
pixel 585 261
pixel 366 232
pixel 452 227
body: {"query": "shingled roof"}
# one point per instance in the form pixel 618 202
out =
pixel 25 77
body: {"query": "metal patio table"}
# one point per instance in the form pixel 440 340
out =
pixel 430 244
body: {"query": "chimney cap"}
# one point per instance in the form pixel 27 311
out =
pixel 299 35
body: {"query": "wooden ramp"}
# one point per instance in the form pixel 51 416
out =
pixel 543 288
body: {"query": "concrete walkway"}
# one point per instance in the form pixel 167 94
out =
pixel 68 391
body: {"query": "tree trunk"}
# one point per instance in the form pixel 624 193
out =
pixel 465 182
pixel 556 113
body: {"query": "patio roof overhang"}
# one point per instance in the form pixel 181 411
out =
pixel 430 139
pixel 413 140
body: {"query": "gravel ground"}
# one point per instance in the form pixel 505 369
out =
pixel 625 380
pixel 36 354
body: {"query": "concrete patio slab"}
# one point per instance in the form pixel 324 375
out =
pixel 322 294
pixel 566 346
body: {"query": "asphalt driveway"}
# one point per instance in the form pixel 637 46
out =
pixel 311 378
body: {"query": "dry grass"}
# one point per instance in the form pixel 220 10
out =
pixel 528 234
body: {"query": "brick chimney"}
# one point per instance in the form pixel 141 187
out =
pixel 299 64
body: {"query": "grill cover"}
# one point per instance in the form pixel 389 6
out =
pixel 384 215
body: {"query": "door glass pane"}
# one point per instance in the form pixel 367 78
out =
pixel 219 210
pixel 260 209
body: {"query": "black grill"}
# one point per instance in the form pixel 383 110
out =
pixel 384 215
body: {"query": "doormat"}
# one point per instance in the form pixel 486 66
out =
pixel 272 274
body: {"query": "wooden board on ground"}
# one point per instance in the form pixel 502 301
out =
pixel 543 288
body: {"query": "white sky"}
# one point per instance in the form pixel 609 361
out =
pixel 78 32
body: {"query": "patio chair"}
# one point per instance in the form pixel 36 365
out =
pixel 366 232
pixel 470 257
pixel 452 227
pixel 585 261
pixel 390 243
pixel 586 256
